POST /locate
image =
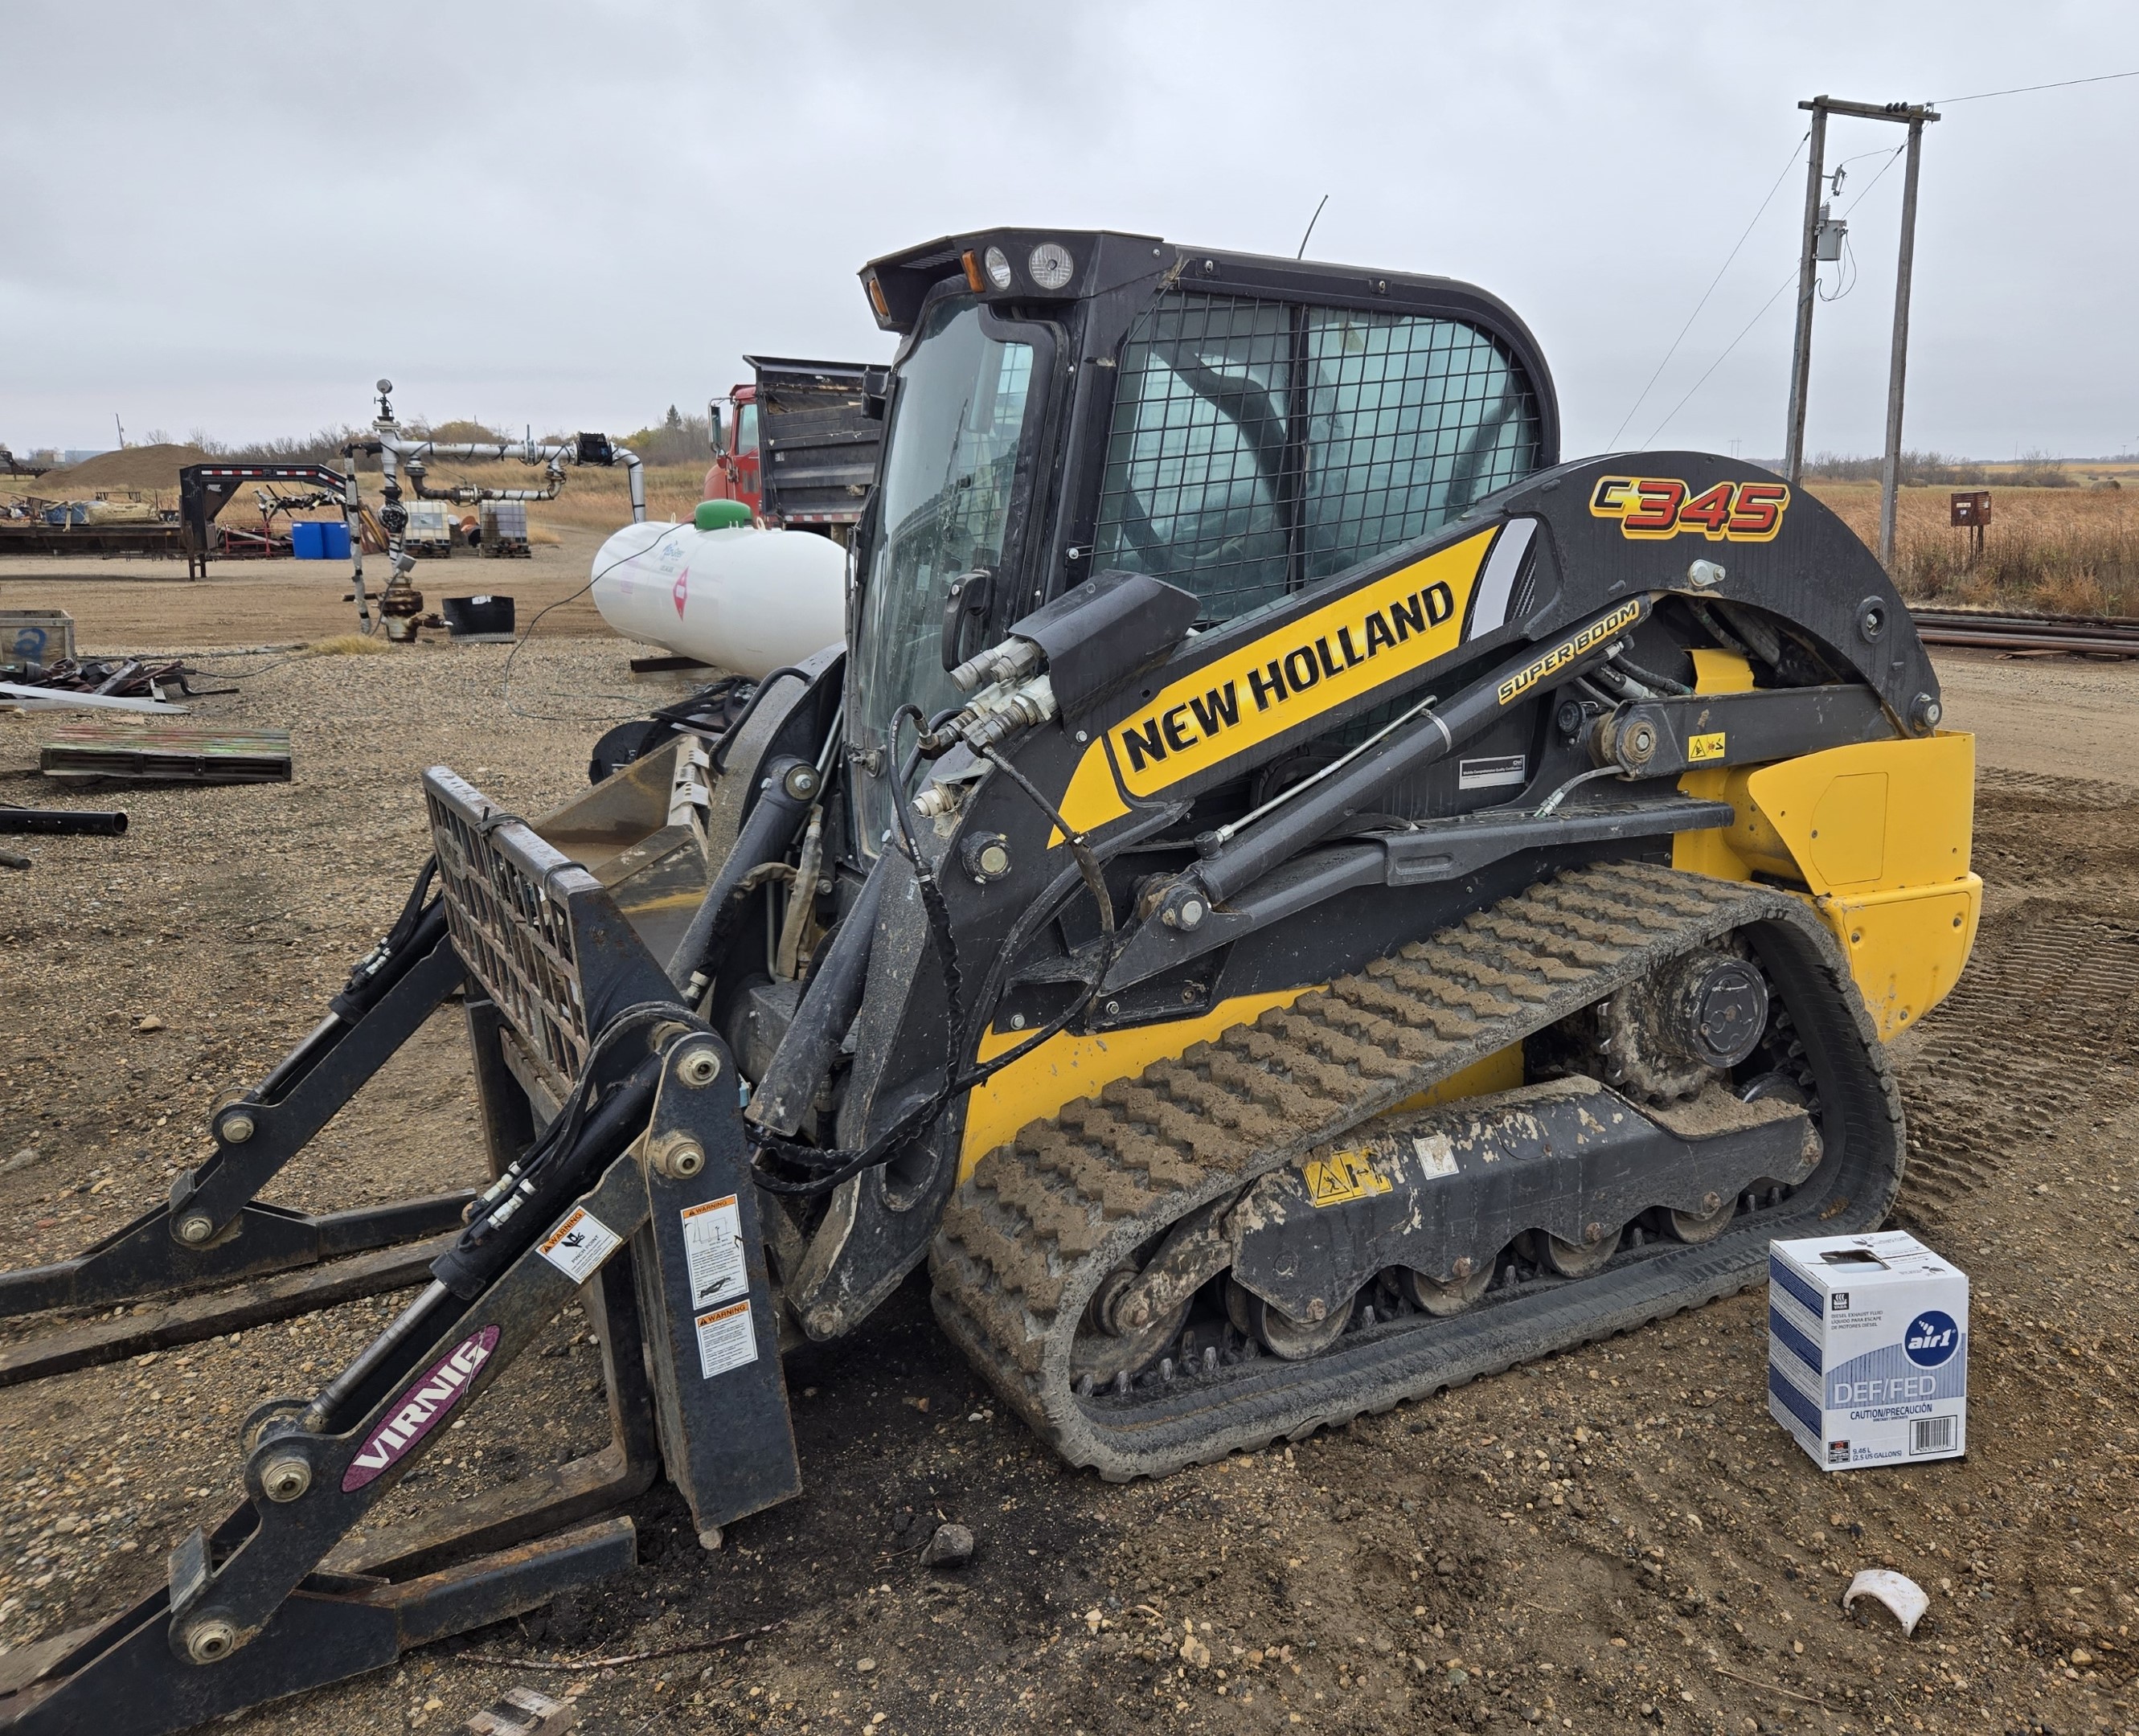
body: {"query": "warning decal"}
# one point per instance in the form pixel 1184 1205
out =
pixel 1705 747
pixel 579 1244
pixel 726 1338
pixel 713 1243
pixel 1343 1176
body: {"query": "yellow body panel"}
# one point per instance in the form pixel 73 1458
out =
pixel 1721 671
pixel 1500 1071
pixel 1877 835
pixel 1067 1066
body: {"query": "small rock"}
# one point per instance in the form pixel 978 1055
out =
pixel 866 1665
pixel 951 1547
pixel 1093 1618
pixel 2081 1656
pixel 150 1022
pixel 1195 1653
pixel 21 1160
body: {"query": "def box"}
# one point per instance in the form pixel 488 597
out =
pixel 1868 1349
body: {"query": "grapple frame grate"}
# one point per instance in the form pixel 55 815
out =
pixel 505 890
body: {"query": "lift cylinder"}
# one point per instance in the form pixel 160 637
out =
pixel 742 599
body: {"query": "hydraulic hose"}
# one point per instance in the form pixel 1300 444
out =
pixel 1228 867
pixel 803 1058
pixel 789 790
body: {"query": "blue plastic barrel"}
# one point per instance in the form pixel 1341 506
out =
pixel 308 540
pixel 335 540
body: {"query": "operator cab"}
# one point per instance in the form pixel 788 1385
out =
pixel 1068 404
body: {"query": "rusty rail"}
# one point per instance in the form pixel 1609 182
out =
pixel 2079 635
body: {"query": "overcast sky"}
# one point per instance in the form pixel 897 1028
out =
pixel 232 218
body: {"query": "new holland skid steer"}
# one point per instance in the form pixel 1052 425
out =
pixel 1290 898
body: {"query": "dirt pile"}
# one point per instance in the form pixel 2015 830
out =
pixel 132 466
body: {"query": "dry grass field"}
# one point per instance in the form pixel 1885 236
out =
pixel 2065 550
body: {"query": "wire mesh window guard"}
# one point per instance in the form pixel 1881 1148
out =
pixel 1260 446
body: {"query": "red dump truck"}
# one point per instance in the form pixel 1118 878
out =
pixel 798 443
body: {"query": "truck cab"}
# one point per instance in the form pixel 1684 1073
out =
pixel 736 473
pixel 797 444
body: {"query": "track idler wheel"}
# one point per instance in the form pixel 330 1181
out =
pixel 1705 1224
pixel 1430 1295
pixel 1290 1340
pixel 1573 1259
pixel 1103 1355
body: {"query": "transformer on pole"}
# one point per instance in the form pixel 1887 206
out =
pixel 1818 227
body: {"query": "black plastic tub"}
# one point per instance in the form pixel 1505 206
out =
pixel 472 617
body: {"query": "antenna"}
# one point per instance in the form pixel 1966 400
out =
pixel 1311 222
pixel 122 427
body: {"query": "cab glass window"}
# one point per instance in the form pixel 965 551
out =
pixel 1260 446
pixel 944 501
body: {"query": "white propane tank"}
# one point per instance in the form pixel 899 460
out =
pixel 742 599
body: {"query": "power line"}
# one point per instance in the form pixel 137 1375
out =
pixel 1719 359
pixel 2062 84
pixel 1892 158
pixel 1612 444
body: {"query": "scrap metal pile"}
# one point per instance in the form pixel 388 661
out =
pixel 128 677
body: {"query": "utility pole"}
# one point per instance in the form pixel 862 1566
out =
pixel 1898 366
pixel 1915 116
pixel 1807 282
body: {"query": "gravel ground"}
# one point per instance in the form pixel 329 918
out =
pixel 1616 1535
pixel 143 605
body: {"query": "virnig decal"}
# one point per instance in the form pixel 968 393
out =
pixel 421 1408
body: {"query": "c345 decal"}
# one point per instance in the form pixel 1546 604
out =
pixel 1351 645
pixel 1654 509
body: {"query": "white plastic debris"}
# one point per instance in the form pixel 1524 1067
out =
pixel 1899 1592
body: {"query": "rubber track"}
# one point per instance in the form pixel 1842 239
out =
pixel 1027 1238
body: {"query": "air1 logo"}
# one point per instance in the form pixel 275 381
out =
pixel 1932 1337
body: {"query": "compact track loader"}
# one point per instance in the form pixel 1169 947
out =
pixel 1290 899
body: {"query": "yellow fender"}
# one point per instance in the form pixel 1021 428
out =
pixel 1875 837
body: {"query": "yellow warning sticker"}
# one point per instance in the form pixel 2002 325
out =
pixel 1343 1176
pixel 1704 747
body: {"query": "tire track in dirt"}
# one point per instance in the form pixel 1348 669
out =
pixel 2049 1003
